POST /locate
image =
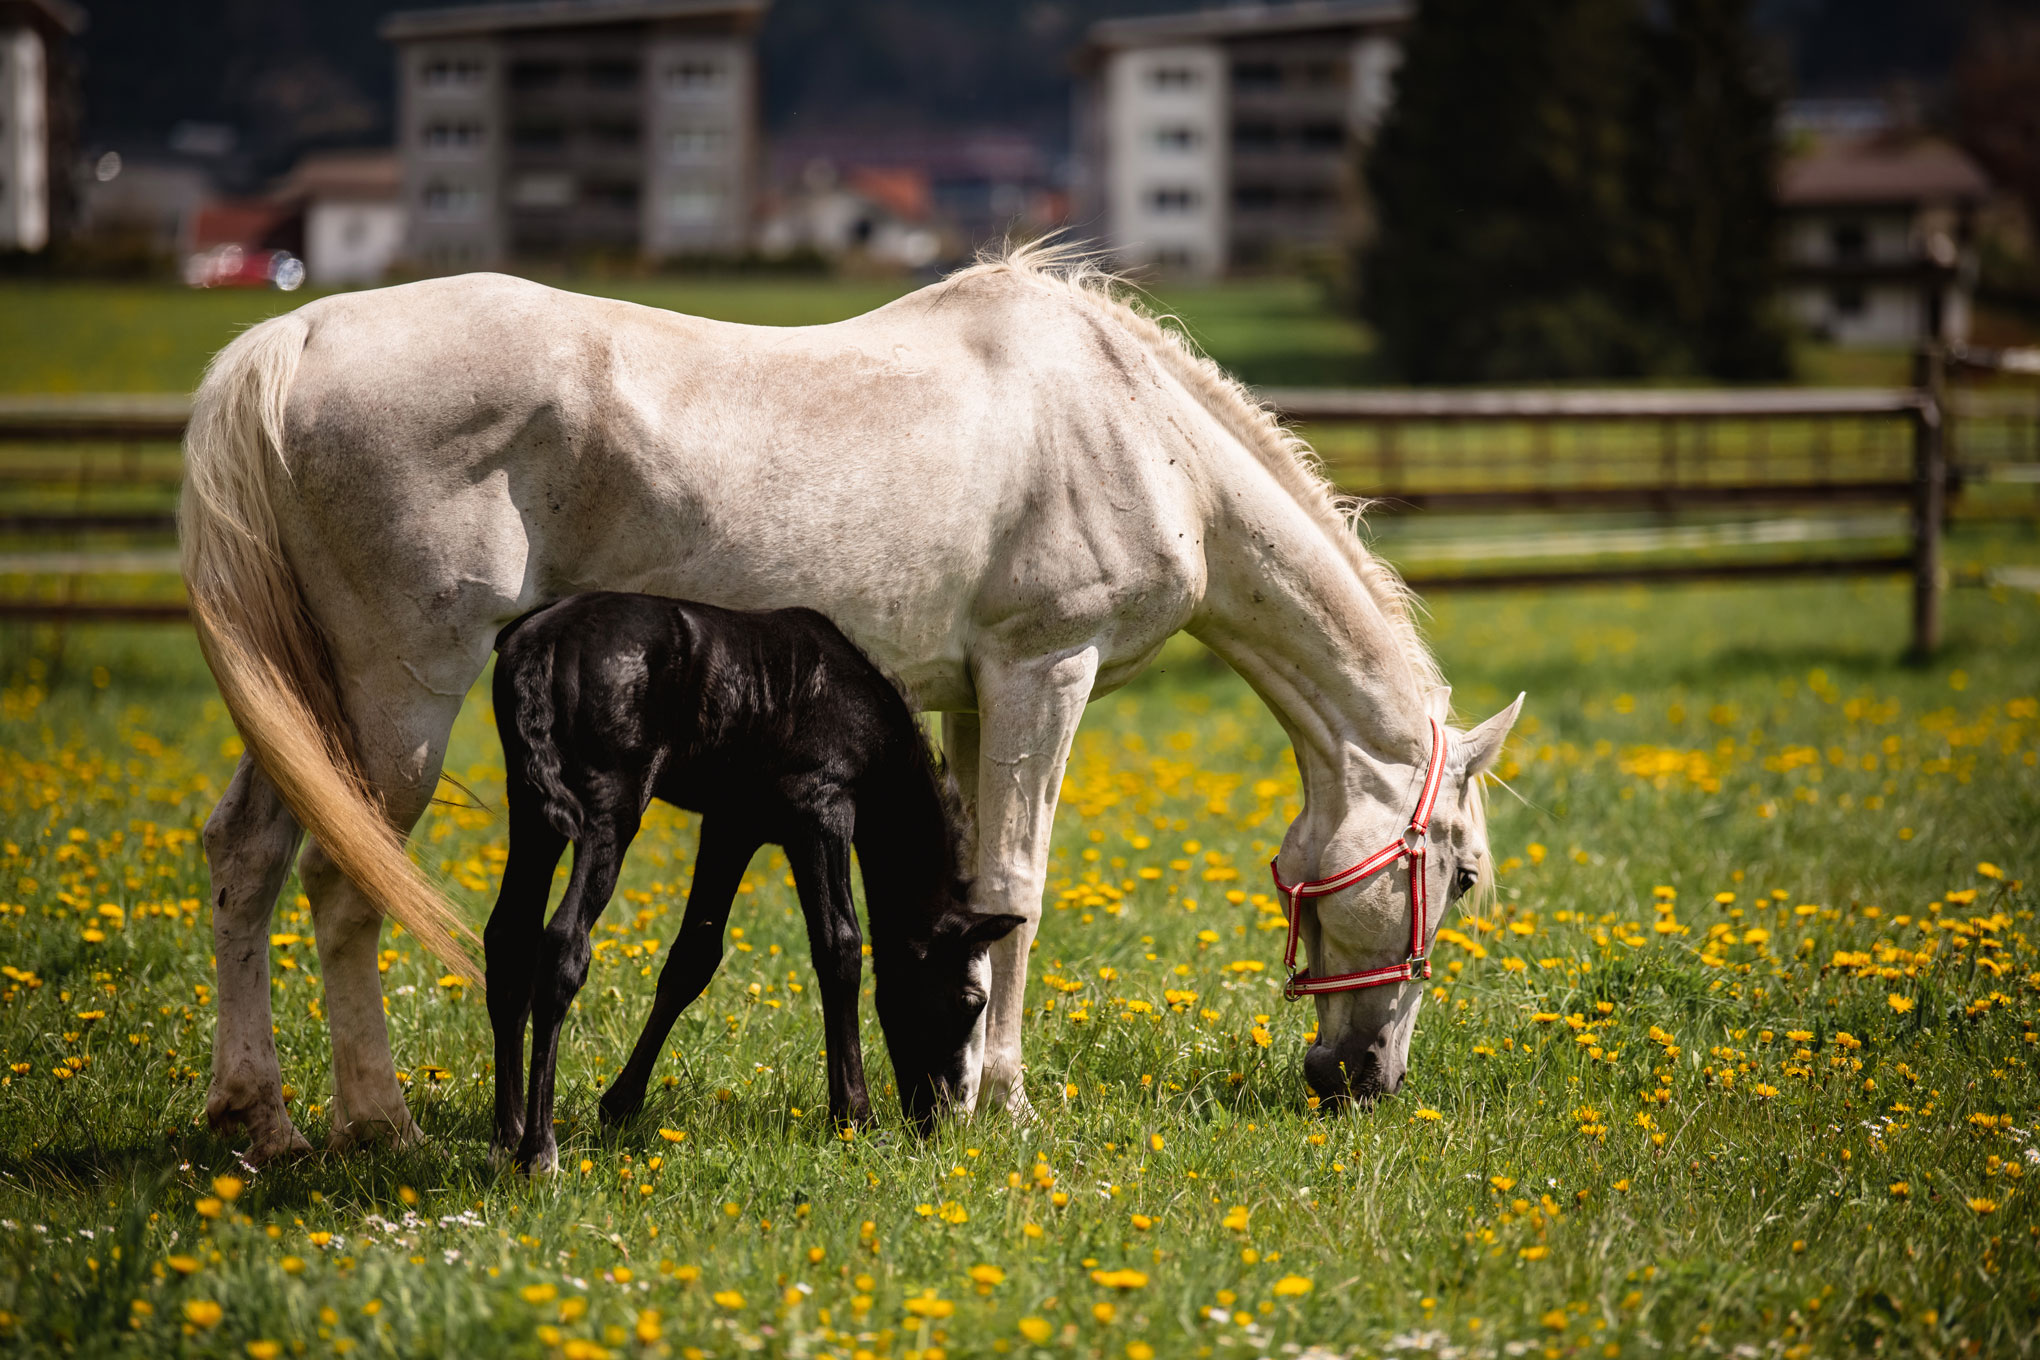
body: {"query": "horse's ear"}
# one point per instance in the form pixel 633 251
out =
pixel 1438 703
pixel 978 928
pixel 1482 747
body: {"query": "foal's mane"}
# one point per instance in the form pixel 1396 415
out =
pixel 1075 272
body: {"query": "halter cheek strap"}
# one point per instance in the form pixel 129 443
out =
pixel 1410 846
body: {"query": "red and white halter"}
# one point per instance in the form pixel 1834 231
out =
pixel 1410 845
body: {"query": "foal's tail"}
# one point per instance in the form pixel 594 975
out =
pixel 264 648
pixel 524 695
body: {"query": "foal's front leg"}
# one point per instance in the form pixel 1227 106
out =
pixel 563 954
pixel 726 849
pixel 820 859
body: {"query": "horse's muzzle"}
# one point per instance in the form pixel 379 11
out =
pixel 1359 1073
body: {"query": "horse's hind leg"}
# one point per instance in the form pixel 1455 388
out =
pixel 719 864
pixel 249 840
pixel 400 732
pixel 511 942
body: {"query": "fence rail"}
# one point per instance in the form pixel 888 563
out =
pixel 1659 473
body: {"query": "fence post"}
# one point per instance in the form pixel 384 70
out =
pixel 1930 493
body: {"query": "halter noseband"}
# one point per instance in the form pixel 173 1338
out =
pixel 1409 845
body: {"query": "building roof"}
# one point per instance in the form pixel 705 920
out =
pixel 57 14
pixel 466 20
pixel 358 175
pixel 1246 20
pixel 1871 170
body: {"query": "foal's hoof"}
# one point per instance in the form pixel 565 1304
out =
pixel 617 1109
pixel 539 1162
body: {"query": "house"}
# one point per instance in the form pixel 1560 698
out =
pixel 1230 138
pixel 551 129
pixel 1879 238
pixel 353 214
pixel 37 119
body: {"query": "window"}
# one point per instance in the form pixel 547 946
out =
pixel 614 134
pixel 613 75
pixel 1255 137
pixel 1848 301
pixel 452 136
pixel 1174 78
pixel 539 135
pixel 694 206
pixel 545 189
pixel 617 195
pixel 1174 200
pixel 452 73
pixel 1178 138
pixel 450 201
pixel 1253 197
pixel 695 143
pixel 1851 243
pixel 537 75
pixel 696 75
pixel 1256 75
pixel 1322 137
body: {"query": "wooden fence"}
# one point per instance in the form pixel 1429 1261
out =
pixel 1451 452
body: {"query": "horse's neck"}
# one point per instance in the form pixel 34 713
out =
pixel 1286 608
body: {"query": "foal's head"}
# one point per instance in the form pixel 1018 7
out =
pixel 932 954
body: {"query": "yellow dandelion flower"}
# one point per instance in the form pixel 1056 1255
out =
pixel 203 1312
pixel 1235 1218
pixel 1536 1253
pixel 183 1265
pixel 648 1329
pixel 264 1350
pixel 986 1275
pixel 539 1293
pixel 728 1298
pixel 1293 1287
pixel 1429 1114
pixel 1036 1329
pixel 1901 1189
pixel 1901 1004
pixel 1120 1279
pixel 1982 1205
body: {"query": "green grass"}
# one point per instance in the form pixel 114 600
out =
pixel 1763 743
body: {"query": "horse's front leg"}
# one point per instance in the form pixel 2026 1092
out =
pixel 1028 715
pixel 511 941
pixel 820 859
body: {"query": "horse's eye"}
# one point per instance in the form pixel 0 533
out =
pixel 1463 882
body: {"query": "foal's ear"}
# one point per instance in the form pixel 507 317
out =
pixel 975 928
pixel 1482 747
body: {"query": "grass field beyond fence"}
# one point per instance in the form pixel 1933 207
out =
pixel 1739 1061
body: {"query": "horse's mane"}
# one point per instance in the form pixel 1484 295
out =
pixel 1285 454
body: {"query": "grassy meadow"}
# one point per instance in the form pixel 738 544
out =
pixel 1739 1060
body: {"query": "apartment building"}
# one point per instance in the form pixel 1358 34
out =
pixel 555 129
pixel 36 118
pixel 1231 138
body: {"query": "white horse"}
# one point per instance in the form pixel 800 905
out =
pixel 1009 487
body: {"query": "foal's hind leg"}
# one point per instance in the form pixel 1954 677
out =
pixel 249 840
pixel 511 942
pixel 563 954
pixel 692 959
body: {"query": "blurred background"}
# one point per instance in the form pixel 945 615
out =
pixel 1584 290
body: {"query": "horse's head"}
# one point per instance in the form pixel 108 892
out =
pixel 931 999
pixel 1363 1037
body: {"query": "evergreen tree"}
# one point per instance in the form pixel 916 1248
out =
pixel 1573 189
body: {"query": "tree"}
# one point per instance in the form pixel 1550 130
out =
pixel 1572 189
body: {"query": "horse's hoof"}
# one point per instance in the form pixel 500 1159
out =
pixel 276 1144
pixel 356 1133
pixel 539 1162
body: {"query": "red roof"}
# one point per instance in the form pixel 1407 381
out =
pixel 1881 170
pixel 902 191
pixel 354 175
pixel 237 222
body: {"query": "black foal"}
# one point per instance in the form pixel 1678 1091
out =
pixel 776 729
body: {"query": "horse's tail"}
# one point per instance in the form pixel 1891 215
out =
pixel 265 650
pixel 528 674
